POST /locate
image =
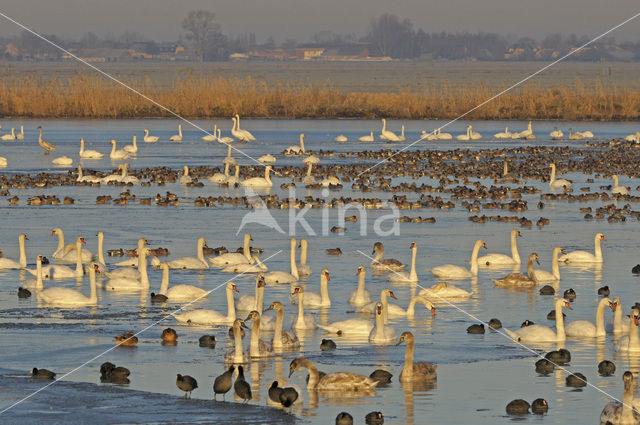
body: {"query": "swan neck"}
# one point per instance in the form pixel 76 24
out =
pixel 314 376
pixel 530 272
pixel 259 298
pixel 600 331
pixel 23 254
pixel 231 312
pixel 255 337
pixel 553 173
pixel 277 336
pixel 303 252
pixel 93 297
pixel 514 246
pixel 246 248
pixel 39 284
pixel 201 252
pixel 617 319
pixel 60 240
pixel 598 248
pixel 226 169
pixel 360 290
pixel 474 258
pixel 411 309
pixel 142 267
pixel 81 145
pixel 560 322
pixel 100 248
pixel 634 341
pixel 626 415
pixel 300 320
pixel 79 271
pixel 384 298
pixel 237 342
pixel 379 254
pixel 324 290
pixel 555 268
pixel 164 285
pixel 294 267
pixel 380 325
pixel 407 370
pixel 413 275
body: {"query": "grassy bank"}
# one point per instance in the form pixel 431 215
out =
pixel 91 96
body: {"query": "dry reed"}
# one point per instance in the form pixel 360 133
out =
pixel 89 96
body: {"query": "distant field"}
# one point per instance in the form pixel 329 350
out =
pixel 570 90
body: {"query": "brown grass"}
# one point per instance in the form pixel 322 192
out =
pixel 91 96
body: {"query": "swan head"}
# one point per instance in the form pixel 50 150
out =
pixel 232 286
pixel 361 269
pixel 253 315
pixel 534 257
pixel 627 377
pixel 297 290
pixel 113 142
pixel 379 308
pixel 23 237
pixel 413 245
pixel 377 247
pixel 276 305
pixel 297 364
pixel 55 231
pixel 389 293
pixel 613 305
pixel 516 232
pixel 325 273
pixel 600 236
pixel 563 303
pixel 162 266
pixel 405 337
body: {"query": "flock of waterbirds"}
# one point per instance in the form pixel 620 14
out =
pixel 132 274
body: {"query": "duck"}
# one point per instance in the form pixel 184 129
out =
pixel 386 264
pixel 236 354
pixel 211 317
pixel 630 343
pixel 117 153
pixel 303 267
pixel 541 333
pixel 553 182
pixel 180 292
pixel 502 259
pixel 177 137
pixel 192 263
pixel 284 277
pixel 360 296
pixel 257 348
pixel 457 272
pixel 42 373
pixel 415 371
pixel 314 299
pixel 7 263
pixel 149 139
pixel 303 321
pixel 337 381
pixel 625 412
pixel 282 339
pixel 296 149
pixel 69 298
pixel 444 291
pixel 518 279
pixel 234 258
pixel 381 334
pixel 88 154
pixel 259 181
pixel 543 275
pixel 586 329
pixel 583 256
pixel 402 276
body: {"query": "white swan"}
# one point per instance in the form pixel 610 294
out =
pixel 505 135
pixel 221 177
pixel 126 270
pixel 185 178
pixel 9 136
pixel 411 309
pixel 234 258
pixel 149 139
pixel 284 277
pixel 466 136
pixel 63 253
pixel 349 327
pixel 67 297
pixel 360 296
pixel 177 137
pixel 65 272
pixel 553 182
pixel 575 136
pixel 123 282
pixel 63 161
pixel 253 266
pixel 388 135
pixel 35 284
pixel 234 181
pixel 541 333
pixel 502 259
pixel 635 137
pixel 267 159
pixel 314 299
pixel 556 134
pixel 296 149
pixel 341 138
pixel 401 136
pixel 115 177
pixel 88 154
pixel 584 256
pixel 126 178
pixel 625 413
pixel 518 280
pixel 253 302
pixel 260 181
pixel 404 277
pixel 630 343
pixel 429 136
pixel 237 133
pixel 211 137
pixel 310 160
pixel 133 147
pixel 618 190
pixel 179 292
pixel 381 334
pixel 7 263
pixel 474 134
pixel 388 310
pixel 586 329
pixel 101 262
pixel 87 179
pixel 524 134
pixel 444 291
pixel 387 264
pixel 257 347
pixel 247 134
pixel 3 161
pixel 192 262
pixel 20 136
pixel 282 339
pixel 303 321
pixel 211 317
pixel 617 324
pixel 545 276
pixel 303 267
pixel 226 139
pixel 444 136
pixel 368 138
pixel 335 383
pixel 117 153
pixel 457 272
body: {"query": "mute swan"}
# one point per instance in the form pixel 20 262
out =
pixel 6 263
pixel 225 139
pixel 556 134
pixel 388 135
pixel 618 190
pixel 49 147
pixel 149 139
pixel 411 309
pixel 9 136
pixel 133 147
pixel 247 134
pixel 213 136
pixel 236 354
pixel 126 178
pixel 101 262
pixel 415 371
pixel 502 259
pixel 583 256
pixel 360 296
pixel 456 272
pixel 296 149
pixel 586 329
pixel 541 333
pixel 466 136
pixel 185 178
pixel 404 277
pixel 88 154
pixel 303 267
pixel 341 138
pixel 234 258
pixel 313 299
pixel 545 276
pixel 631 342
pixel 63 253
pixel 444 291
pixel 444 136
pixel 625 413
pixel 506 135
pixel 282 339
pixel 127 271
pixel 260 181
pixel 388 310
pixel 553 182
pixel 253 266
pixel 211 317
pixel 192 262
pixel 368 138
pixel 381 334
pixel 518 279
pixel 303 321
pixel 284 277
pixel 35 284
pixel 63 161
pixel 119 153
pixel 179 292
pixel 257 347
pixel 177 137
pixel 337 381
pixel 88 179
pixel 64 272
pixel 67 297
pixel 253 302
pixel 122 282
pixel 386 264
pixel 618 324
pixel 267 159
pixel 349 327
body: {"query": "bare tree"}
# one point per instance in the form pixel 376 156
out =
pixel 200 29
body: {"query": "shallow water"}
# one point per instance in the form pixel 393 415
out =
pixel 478 374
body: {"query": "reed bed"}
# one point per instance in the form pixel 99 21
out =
pixel 90 96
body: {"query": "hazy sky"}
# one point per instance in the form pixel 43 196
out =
pixel 300 19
